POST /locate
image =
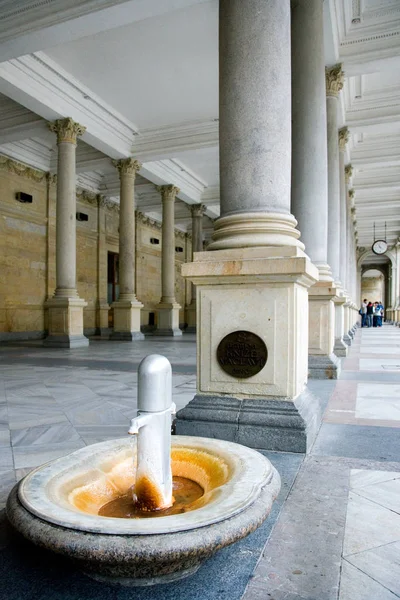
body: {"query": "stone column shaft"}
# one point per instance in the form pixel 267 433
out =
pixel 334 83
pixel 309 194
pixel 254 134
pixel 168 309
pixel 310 176
pixel 66 308
pixel 127 319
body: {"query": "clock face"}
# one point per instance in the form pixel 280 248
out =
pixel 379 247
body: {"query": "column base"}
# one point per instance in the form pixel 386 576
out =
pixel 168 320
pixel 340 349
pixel 127 321
pixel 347 339
pixel 65 317
pixel 272 423
pixel 323 366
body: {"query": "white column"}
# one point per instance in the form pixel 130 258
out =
pixel 343 249
pixel 309 193
pixel 168 309
pixel 334 77
pixel 65 312
pixel 127 308
pixel 334 83
pixel 253 284
pixel 197 211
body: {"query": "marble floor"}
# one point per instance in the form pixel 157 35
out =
pixel 334 533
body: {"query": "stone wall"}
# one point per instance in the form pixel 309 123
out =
pixel 373 288
pixel 27 255
pixel 23 251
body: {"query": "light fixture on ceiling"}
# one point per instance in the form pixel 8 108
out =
pixel 358 97
pixel 86 97
pixel 356 21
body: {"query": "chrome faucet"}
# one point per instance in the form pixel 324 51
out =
pixel 153 487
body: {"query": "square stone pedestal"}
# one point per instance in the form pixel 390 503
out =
pixel 103 328
pixel 340 348
pixel 168 319
pixel 263 291
pixel 65 318
pixel 322 362
pixel 127 321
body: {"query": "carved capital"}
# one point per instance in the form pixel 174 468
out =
pixel 86 196
pixel 51 178
pixel 67 130
pixel 198 210
pixel 348 172
pixel 352 194
pixel 343 138
pixel 127 166
pixel 168 192
pixel 334 79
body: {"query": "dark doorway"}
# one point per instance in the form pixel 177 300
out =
pixel 112 283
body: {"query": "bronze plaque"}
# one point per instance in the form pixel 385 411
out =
pixel 242 354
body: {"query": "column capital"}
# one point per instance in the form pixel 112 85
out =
pixel 348 173
pixel 198 210
pixel 127 166
pixel 334 79
pixel 67 130
pixel 168 192
pixel 343 138
pixel 352 194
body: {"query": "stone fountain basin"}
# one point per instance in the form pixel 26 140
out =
pixel 56 507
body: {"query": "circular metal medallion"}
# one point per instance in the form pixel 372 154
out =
pixel 242 354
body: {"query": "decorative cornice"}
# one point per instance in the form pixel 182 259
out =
pixel 343 138
pixel 334 79
pixel 145 220
pixel 88 197
pixel 348 172
pixel 168 192
pixel 198 210
pixel 12 166
pixel 127 166
pixel 105 203
pixel 67 130
pixel 180 234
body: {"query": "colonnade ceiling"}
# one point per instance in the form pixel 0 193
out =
pixel 143 79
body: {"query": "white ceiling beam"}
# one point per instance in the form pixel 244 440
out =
pixel 39 25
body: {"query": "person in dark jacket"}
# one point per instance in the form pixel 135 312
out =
pixel 370 313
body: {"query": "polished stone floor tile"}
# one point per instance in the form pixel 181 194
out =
pixel 359 478
pixel 381 564
pixel 368 525
pixel 44 434
pixel 356 585
pixel 33 456
pixel 386 494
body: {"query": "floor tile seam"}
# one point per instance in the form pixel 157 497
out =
pixel 369 550
pixel 378 483
pixel 377 503
pixel 370 577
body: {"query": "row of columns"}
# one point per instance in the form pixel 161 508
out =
pixel 260 284
pixel 65 308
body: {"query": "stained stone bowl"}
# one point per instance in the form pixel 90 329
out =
pixel 56 507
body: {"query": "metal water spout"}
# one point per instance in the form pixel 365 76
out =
pixel 153 486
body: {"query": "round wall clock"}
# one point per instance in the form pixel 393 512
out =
pixel 379 247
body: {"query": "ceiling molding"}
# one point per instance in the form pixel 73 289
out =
pixel 41 85
pixel 27 26
pixel 160 143
pixel 174 171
